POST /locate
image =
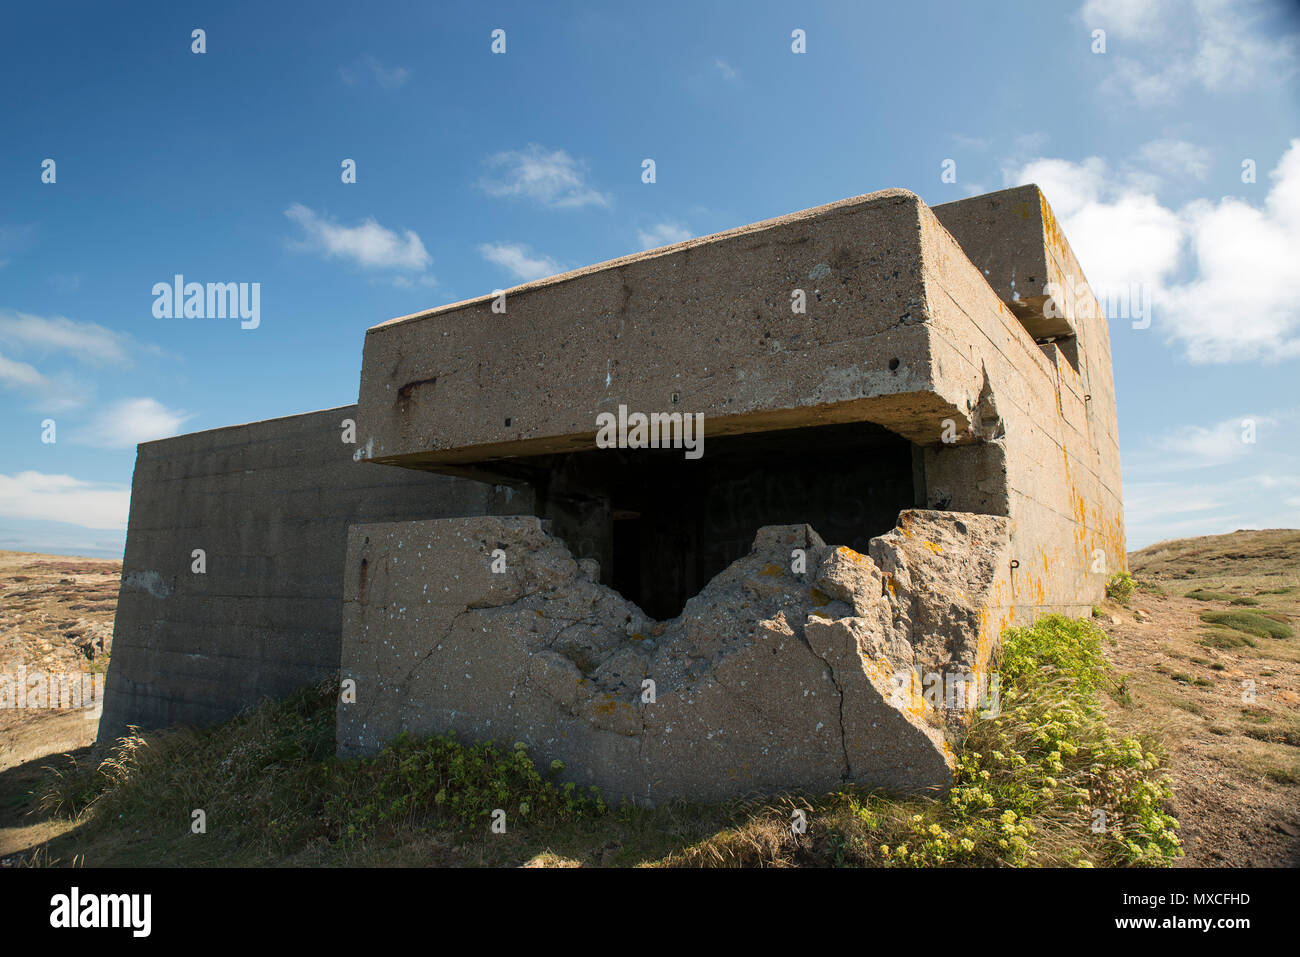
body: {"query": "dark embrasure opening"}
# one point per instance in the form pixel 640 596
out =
pixel 661 525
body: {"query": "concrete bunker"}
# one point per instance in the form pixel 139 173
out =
pixel 933 435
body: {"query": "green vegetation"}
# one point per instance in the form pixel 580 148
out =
pixel 1205 594
pixel 1031 784
pixel 1249 622
pixel 1120 587
pixel 1225 639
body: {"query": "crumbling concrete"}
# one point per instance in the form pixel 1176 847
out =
pixel 771 679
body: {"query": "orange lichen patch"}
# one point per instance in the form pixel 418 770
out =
pixel 772 570
pixel 819 598
pixel 882 673
pixel 853 556
pixel 890 585
pixel 934 547
pixel 605 706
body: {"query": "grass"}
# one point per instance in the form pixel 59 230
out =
pixel 1047 781
pixel 1249 622
pixel 1203 594
pixel 1225 639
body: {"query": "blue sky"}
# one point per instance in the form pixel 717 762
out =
pixel 477 171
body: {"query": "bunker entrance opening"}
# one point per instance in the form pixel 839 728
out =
pixel 661 525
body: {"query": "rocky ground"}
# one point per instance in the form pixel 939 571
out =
pixel 1226 703
pixel 56 617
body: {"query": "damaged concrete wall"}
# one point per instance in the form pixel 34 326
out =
pixel 269 504
pixel 779 675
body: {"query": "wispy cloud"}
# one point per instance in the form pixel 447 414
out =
pixel 663 234
pixel 1158 511
pixel 71 348
pixel 1195 446
pixel 22 375
pixel 62 498
pixel 522 264
pixel 1217 46
pixel 551 178
pixel 727 70
pixel 84 341
pixel 385 77
pixel 368 244
pixel 1240 472
pixel 127 422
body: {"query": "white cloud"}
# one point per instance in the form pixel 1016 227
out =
pixel 368 245
pixel 67 345
pixel 22 375
pixel 976 143
pixel 1195 446
pixel 1160 50
pixel 726 69
pixel 1158 511
pixel 127 422
pixel 84 341
pixel 62 498
pixel 524 265
pixel 387 78
pixel 1177 158
pixel 552 178
pixel 1237 302
pixel 663 234
pixel 406 282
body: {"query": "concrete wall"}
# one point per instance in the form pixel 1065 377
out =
pixel 1050 459
pixel 270 504
pixel 704 326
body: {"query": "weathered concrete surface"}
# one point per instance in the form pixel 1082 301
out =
pixel 1012 238
pixel 770 680
pixel 269 503
pixel 902 331
pixel 703 326
pixel 1048 454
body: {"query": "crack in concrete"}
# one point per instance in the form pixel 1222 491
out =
pixel 844 742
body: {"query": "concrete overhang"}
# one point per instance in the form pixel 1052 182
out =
pixel 704 326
